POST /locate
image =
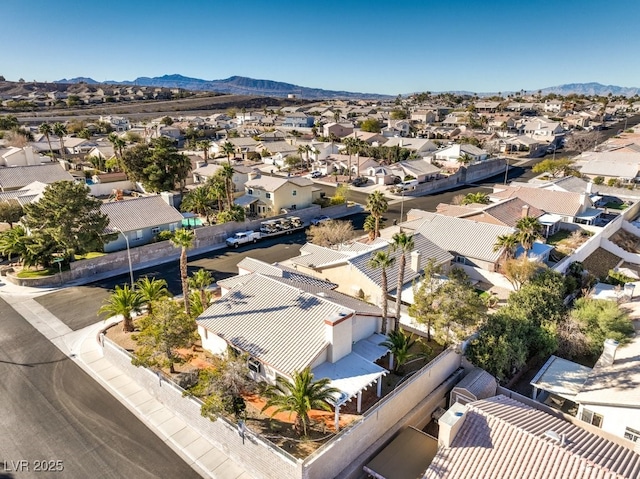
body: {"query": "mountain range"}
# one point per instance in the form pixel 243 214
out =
pixel 249 86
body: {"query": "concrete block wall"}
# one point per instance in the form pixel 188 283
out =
pixel 261 459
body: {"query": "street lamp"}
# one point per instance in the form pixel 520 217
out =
pixel 402 207
pixel 126 240
pixel 506 170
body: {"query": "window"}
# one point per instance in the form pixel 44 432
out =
pixel 155 230
pixel 268 195
pixel 294 192
pixel 138 235
pixel 250 191
pixel 592 418
pixel 631 434
pixel 254 365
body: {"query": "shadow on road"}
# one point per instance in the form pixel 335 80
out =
pixel 30 365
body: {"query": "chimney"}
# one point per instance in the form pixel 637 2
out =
pixel 608 355
pixel 415 261
pixel 400 143
pixel 338 335
pixel 450 423
pixel 589 188
pixel 168 198
pixel 525 211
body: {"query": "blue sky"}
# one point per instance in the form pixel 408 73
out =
pixel 373 47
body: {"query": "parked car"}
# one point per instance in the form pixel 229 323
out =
pixel 314 174
pixel 243 237
pixel 359 181
pixel 319 220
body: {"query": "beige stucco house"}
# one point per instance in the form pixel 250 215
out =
pixel 269 195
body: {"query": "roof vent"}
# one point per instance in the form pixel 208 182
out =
pixel 559 438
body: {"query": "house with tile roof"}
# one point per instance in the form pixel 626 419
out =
pixel 16 177
pixel 286 324
pixel 470 242
pixel 139 220
pixel 607 396
pixel 26 156
pixel 241 174
pixel 499 438
pixel 269 195
pixel 453 152
pixel 620 164
pixel 349 267
pixel 568 207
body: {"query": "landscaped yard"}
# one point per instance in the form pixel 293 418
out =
pixel 566 242
pixel 279 429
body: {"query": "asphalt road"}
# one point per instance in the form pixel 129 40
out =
pixel 86 300
pixel 53 411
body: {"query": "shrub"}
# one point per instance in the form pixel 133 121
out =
pixel 598 180
pixel 164 235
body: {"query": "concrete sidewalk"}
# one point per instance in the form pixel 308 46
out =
pixel 84 348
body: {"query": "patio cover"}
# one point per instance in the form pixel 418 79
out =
pixel 351 374
pixel 245 200
pixel 549 219
pixel 561 377
pixel 589 214
pixel 407 457
pixel 370 349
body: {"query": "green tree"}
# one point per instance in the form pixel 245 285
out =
pixel 8 122
pixel 554 167
pixel 370 226
pixel 118 145
pixel 382 260
pixel 377 205
pixel 123 301
pixel 465 159
pixel 529 229
pixel 235 213
pixel 200 281
pixel 424 295
pixel 167 121
pixel 399 344
pixel 183 239
pixel 199 201
pixel 475 198
pixel 371 125
pixel 162 332
pixel 299 396
pixel 404 243
pixel 600 320
pixel 519 271
pixel 60 130
pixel 13 242
pixel 204 145
pixel 507 242
pixel 226 175
pixel 152 290
pixel 228 149
pixel 10 212
pixel 158 166
pixel 47 131
pixel 67 216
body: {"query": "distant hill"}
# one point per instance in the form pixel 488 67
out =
pixel 236 85
pixel 591 89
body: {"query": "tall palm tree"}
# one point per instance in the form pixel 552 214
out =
pixel 377 205
pixel 399 344
pixel 305 150
pixel 123 301
pixel 382 260
pixel 350 144
pixel 46 130
pixel 201 280
pixel 204 146
pixel 404 243
pixel 226 173
pixel 198 201
pixel 508 242
pixel 475 198
pixel 183 239
pixel 465 159
pixel 60 130
pixel 151 290
pixel 117 143
pixel 228 149
pixel 529 230
pixel 299 396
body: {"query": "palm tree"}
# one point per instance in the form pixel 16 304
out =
pixel 475 198
pixel 226 174
pixel 152 290
pixel 465 159
pixel 305 150
pixel 46 130
pixel 350 145
pixel 382 260
pixel 59 129
pixel 508 242
pixel 228 149
pixel 377 205
pixel 529 230
pixel 299 396
pixel 183 239
pixel 403 243
pixel 370 226
pixel 399 344
pixel 117 143
pixel 123 301
pixel 13 241
pixel 204 146
pixel 198 201
pixel 201 280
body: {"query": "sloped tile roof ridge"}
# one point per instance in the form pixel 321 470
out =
pixel 589 448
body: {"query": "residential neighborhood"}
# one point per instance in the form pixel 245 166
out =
pixel 433 285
